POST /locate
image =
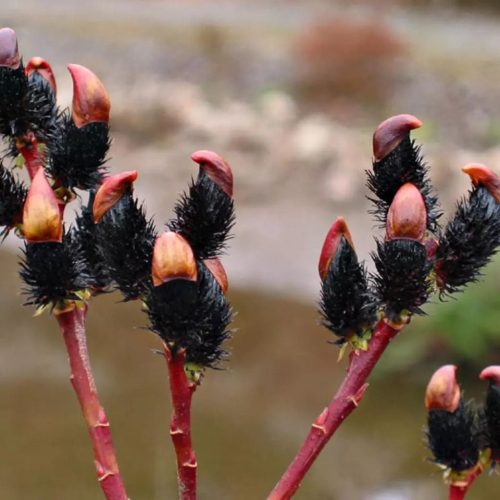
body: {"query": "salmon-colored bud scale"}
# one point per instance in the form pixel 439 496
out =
pixel 173 258
pixel 491 373
pixel 43 68
pixel 481 175
pixel 216 168
pixel 110 192
pixel 215 266
pixel 9 53
pixel 407 215
pixel 391 132
pixel 337 230
pixel 42 219
pixel 91 102
pixel 443 391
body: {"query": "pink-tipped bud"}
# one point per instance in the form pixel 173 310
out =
pixel 407 215
pixel 389 134
pixel 491 373
pixel 42 219
pixel 90 99
pixel 173 259
pixel 216 168
pixel 9 53
pixel 43 68
pixel 481 175
pixel 110 192
pixel 337 230
pixel 443 391
pixel 215 266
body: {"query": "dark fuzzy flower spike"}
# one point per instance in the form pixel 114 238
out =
pixel 53 272
pixel 13 96
pixel 402 283
pixel 346 305
pixel 453 437
pixel 78 155
pixel 193 316
pixel 125 239
pixel 204 216
pixel 402 165
pixel 12 196
pixel 469 241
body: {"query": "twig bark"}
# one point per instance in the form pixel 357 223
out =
pixel 361 364
pixel 181 390
pixel 28 147
pixel 72 324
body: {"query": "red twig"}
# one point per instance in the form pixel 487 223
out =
pixel 72 325
pixel 458 489
pixel 361 364
pixel 181 390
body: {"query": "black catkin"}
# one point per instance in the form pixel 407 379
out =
pixel 402 282
pixel 491 420
pixel 13 100
pixel 346 305
pixel 12 196
pixel 403 164
pixel 205 217
pixel 469 241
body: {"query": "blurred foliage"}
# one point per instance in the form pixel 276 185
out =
pixel 340 58
pixel 463 330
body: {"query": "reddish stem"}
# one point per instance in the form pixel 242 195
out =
pixel 361 364
pixel 458 490
pixel 72 324
pixel 28 147
pixel 181 390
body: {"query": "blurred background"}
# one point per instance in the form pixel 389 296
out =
pixel 289 92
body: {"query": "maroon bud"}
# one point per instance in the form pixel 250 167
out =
pixel 9 53
pixel 215 266
pixel 389 134
pixel 338 230
pixel 90 99
pixel 43 68
pixel 407 215
pixel 216 168
pixel 443 391
pixel 110 191
pixel 481 175
pixel 173 258
pixel 491 373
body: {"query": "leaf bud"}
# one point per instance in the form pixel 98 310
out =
pixel 337 230
pixel 491 373
pixel 215 266
pixel 481 175
pixel 43 68
pixel 389 134
pixel 216 168
pixel 9 53
pixel 443 391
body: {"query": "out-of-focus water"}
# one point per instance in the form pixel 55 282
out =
pixel 248 420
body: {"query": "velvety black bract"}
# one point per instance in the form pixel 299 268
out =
pixel 469 240
pixel 346 304
pixel 53 272
pixel 78 155
pixel 491 417
pixel 125 241
pixel 403 164
pixel 13 100
pixel 191 315
pixel 84 235
pixel 402 283
pixel 453 438
pixel 204 217
pixel 12 196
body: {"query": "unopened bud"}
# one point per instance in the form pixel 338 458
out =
pixel 90 99
pixel 337 230
pixel 481 175
pixel 216 168
pixel 173 258
pixel 9 53
pixel 491 373
pixel 42 219
pixel 443 391
pixel 407 215
pixel 389 134
pixel 43 68
pixel 215 266
pixel 110 192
